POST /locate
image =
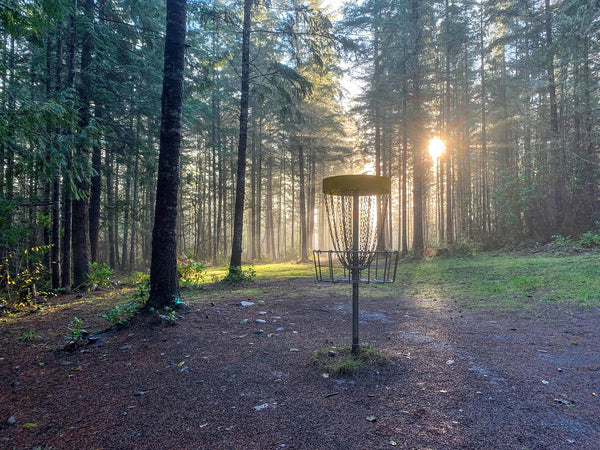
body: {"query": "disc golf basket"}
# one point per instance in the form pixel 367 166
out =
pixel 353 203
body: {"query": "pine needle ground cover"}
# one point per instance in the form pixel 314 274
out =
pixel 455 363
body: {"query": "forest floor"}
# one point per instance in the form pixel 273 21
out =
pixel 456 376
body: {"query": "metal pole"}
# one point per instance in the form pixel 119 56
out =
pixel 355 271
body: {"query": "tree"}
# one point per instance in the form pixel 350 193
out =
pixel 80 229
pixel 164 282
pixel 238 219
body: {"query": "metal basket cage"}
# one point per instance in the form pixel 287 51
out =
pixel 377 266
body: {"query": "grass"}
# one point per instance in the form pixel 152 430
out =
pixel 482 281
pixel 333 361
pixel 505 280
pixel 266 271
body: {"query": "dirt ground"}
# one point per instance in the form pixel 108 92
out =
pixel 458 377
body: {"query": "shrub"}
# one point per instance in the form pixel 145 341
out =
pixel 21 274
pixel 560 241
pixel 99 276
pixel 236 275
pixel 122 314
pixel 191 273
pixel 590 239
pixel 76 333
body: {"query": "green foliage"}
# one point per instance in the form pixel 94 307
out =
pixel 100 274
pixel 589 239
pixel 237 276
pixel 122 314
pixel 28 336
pixel 21 274
pixel 459 249
pixel 191 273
pixel 560 241
pixel 76 332
pixel 343 361
pixel 169 315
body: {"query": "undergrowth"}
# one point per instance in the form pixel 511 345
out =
pixel 339 362
pixel 122 314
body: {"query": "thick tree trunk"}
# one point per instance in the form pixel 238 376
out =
pixel 418 128
pixel 164 280
pixel 238 219
pixel 80 236
pixel 67 204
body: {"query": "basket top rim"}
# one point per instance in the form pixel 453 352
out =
pixel 356 184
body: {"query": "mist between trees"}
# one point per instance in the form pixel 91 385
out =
pixel 511 88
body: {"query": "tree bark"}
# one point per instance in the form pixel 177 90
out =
pixel 302 200
pixel 418 128
pixel 164 280
pixel 81 264
pixel 238 219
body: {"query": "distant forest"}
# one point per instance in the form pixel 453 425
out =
pixel 511 88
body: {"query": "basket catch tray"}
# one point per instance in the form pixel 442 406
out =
pixel 377 266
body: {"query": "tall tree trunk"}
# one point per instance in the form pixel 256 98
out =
pixel 67 204
pixel 134 210
pixel 418 128
pixel 164 280
pixel 556 158
pixel 126 216
pixel 80 204
pixel 238 219
pixel 110 209
pixel 302 200
pixel 95 195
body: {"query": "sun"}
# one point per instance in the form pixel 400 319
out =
pixel 436 148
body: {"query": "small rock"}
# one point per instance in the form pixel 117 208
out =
pixel 280 329
pixel 260 407
pixel 96 341
pixel 294 350
pixel 244 303
pixel 331 353
pixel 125 347
pixel 11 420
pixel 261 321
pixel 372 418
pixel 262 313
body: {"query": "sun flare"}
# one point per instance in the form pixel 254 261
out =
pixel 436 148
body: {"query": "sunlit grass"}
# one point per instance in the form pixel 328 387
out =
pixel 504 280
pixel 266 271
